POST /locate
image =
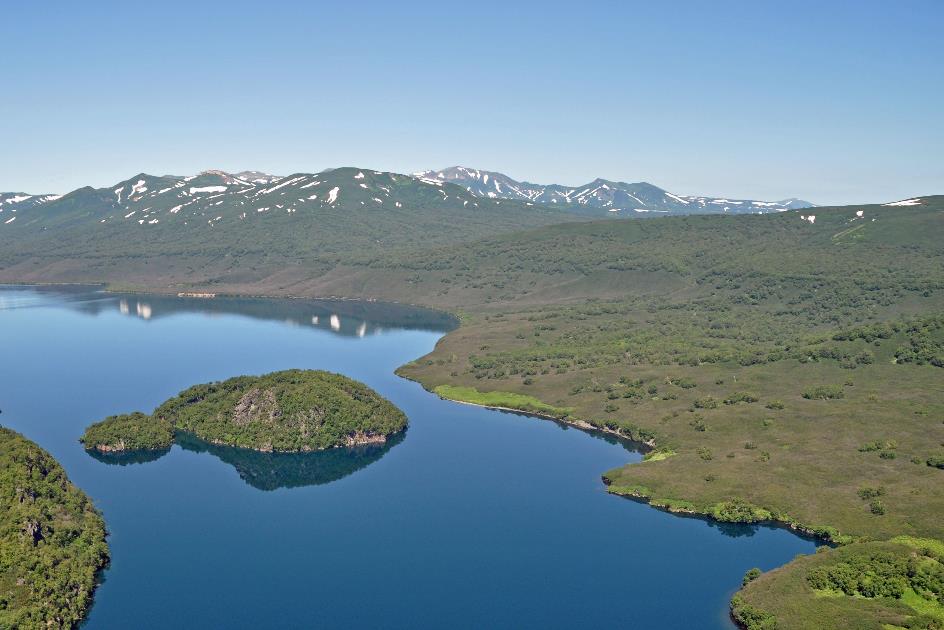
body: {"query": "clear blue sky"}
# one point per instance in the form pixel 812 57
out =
pixel 829 101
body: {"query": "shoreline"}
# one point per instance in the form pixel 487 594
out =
pixel 581 425
pixel 798 529
pixel 824 534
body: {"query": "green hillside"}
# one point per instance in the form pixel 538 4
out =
pixel 218 227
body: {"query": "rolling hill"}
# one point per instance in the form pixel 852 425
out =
pixel 247 224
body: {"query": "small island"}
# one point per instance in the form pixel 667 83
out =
pixel 129 432
pixel 287 411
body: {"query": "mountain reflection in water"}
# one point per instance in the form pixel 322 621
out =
pixel 351 318
pixel 343 317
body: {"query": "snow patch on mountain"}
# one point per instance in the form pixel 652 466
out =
pixel 905 202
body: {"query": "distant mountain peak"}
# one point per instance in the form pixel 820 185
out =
pixel 616 198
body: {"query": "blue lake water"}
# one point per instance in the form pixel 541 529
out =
pixel 475 518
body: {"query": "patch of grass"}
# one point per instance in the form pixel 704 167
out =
pixel 674 505
pixel 923 605
pixel 930 544
pixel 658 455
pixel 507 400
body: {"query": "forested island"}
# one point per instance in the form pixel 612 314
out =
pixel 52 540
pixel 287 411
pixel 129 432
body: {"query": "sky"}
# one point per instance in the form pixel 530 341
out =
pixel 833 102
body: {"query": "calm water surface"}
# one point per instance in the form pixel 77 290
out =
pixel 475 518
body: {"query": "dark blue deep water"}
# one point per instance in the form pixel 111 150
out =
pixel 476 518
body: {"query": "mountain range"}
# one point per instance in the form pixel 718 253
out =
pixel 236 223
pixel 212 196
pixel 615 197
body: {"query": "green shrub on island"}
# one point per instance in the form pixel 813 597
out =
pixel 288 411
pixel 52 540
pixel 129 432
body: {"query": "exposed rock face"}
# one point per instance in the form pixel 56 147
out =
pixel 117 447
pixel 33 531
pixel 360 438
pixel 256 405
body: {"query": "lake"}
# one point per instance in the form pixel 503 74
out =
pixel 473 518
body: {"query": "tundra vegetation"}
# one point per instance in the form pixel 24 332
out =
pixel 786 364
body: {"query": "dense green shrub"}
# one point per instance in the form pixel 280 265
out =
pixel 750 576
pixel 750 617
pixel 739 397
pixel 882 574
pixel 739 511
pixel 824 392
pixel 871 493
pixel 706 403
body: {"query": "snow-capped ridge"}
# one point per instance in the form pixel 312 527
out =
pixel 600 194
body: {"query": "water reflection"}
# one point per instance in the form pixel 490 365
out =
pixel 270 471
pixel 345 317
pixel 129 457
